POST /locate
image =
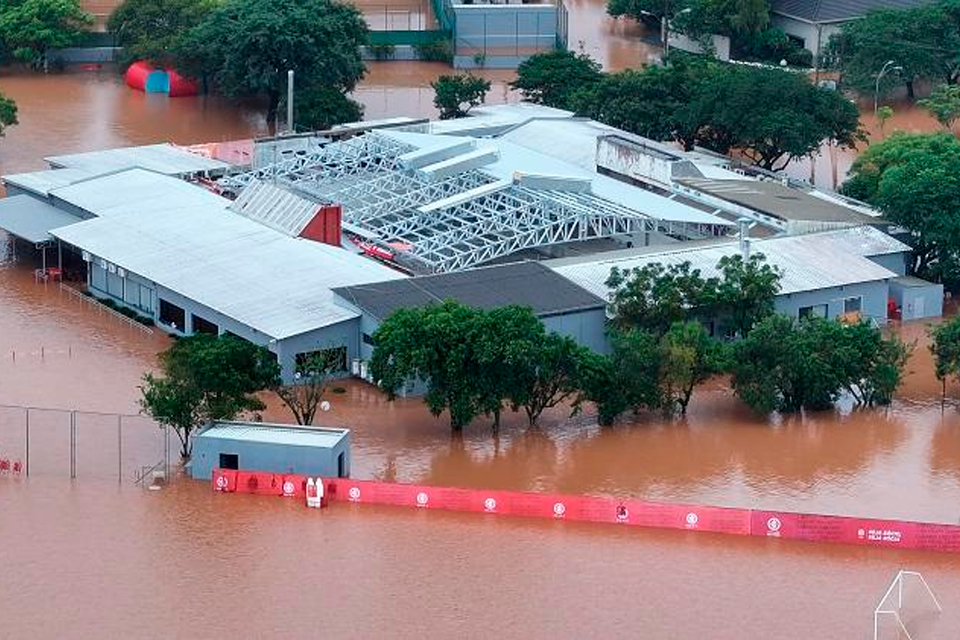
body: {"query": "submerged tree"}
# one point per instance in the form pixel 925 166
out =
pixel 154 30
pixel 455 95
pixel 943 104
pixel 304 394
pixel 551 78
pixel 31 28
pixel 8 113
pixel 205 378
pixel 945 347
pixel 689 357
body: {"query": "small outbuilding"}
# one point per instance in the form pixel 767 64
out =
pixel 278 448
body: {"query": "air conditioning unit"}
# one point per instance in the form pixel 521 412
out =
pixel 86 256
pixel 112 268
pixel 121 272
pixel 102 263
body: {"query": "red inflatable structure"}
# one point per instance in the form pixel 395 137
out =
pixel 899 534
pixel 142 77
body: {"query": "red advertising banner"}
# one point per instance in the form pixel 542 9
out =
pixel 775 524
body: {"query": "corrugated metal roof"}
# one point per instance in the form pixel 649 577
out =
pixel 275 284
pixel 809 262
pixel 529 284
pixel 42 182
pixel 163 158
pixel 819 11
pixel 323 437
pixel 31 219
pixel 277 208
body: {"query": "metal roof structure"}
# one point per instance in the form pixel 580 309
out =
pixel 774 199
pixel 43 182
pixel 31 219
pixel 808 262
pixel 277 208
pixel 528 284
pixel 826 11
pixel 456 202
pixel 186 239
pixel 269 433
pixel 163 158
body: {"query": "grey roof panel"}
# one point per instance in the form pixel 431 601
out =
pixel 819 11
pixel 31 219
pixel 529 284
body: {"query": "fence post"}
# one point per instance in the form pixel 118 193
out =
pixel 27 424
pixel 119 448
pixel 73 444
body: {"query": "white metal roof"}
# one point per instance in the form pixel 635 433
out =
pixel 809 262
pixel 163 158
pixel 573 140
pixel 323 437
pixel 277 208
pixel 32 219
pixel 42 182
pixel 275 284
pixel 135 191
pixel 496 118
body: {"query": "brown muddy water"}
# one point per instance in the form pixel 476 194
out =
pixel 95 557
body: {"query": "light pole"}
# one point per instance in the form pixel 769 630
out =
pixel 876 90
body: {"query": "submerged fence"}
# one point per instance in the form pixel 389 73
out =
pixel 869 532
pixel 81 444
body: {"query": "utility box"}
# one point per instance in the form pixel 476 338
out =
pixel 277 448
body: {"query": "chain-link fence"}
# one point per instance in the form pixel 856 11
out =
pixel 82 444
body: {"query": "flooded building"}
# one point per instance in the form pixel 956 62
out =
pixel 278 448
pixel 846 273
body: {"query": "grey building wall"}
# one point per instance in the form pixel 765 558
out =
pixel 896 262
pixel 917 302
pixel 815 37
pixel 588 328
pixel 873 294
pixel 144 296
pixel 275 458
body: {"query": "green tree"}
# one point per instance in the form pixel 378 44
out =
pixel 914 179
pixel 654 296
pixel 884 113
pixel 30 28
pixel 304 394
pixel 746 290
pixel 649 11
pixel 944 104
pixel 551 373
pixel 206 378
pixel 689 357
pixel 438 346
pixel 627 379
pixel 773 116
pixel 8 113
pixel 154 30
pixel 320 108
pixel 924 41
pixel 945 347
pixel 245 47
pixel 784 365
pixel 452 92
pixel 551 78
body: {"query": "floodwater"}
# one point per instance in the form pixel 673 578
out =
pixel 98 557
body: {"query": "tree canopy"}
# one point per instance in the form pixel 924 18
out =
pixel 772 116
pixel 945 347
pixel 924 41
pixel 244 48
pixel 551 78
pixel 320 108
pixel 455 95
pixel 30 28
pixel 8 113
pixel 785 365
pixel 304 395
pixel 154 30
pixel 654 297
pixel 914 179
pixel 943 104
pixel 206 378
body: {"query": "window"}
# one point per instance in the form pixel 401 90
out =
pixel 814 311
pixel 171 314
pixel 853 305
pixel 336 357
pixel 229 461
pixel 202 325
pixel 367 339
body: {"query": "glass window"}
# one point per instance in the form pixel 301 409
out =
pixel 853 305
pixel 814 311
